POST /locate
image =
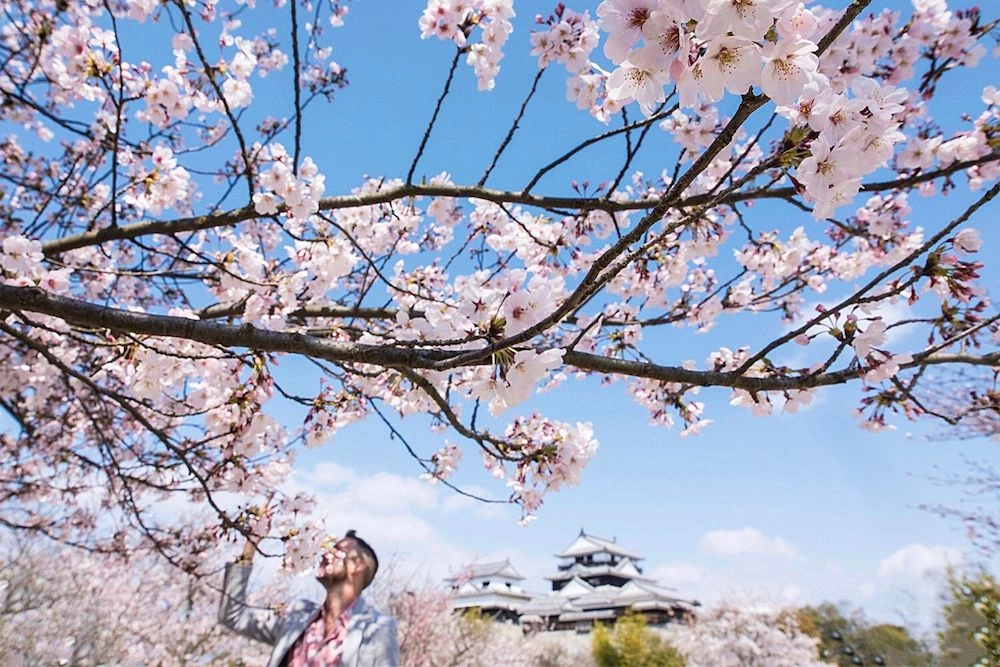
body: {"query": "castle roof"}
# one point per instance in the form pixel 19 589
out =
pixel 583 601
pixel 625 569
pixel 501 568
pixel 585 545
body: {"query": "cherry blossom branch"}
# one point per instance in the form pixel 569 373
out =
pixel 236 216
pixel 596 275
pixel 296 87
pixel 874 282
pixel 437 110
pixel 590 142
pixel 221 310
pixel 901 183
pixel 513 128
pixel 734 380
pixel 80 313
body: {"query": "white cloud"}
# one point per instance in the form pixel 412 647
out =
pixel 388 492
pixel 400 516
pixel 678 575
pixel 327 473
pixel 919 561
pixel 455 502
pixel 745 542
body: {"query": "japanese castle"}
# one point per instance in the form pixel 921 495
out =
pixel 596 581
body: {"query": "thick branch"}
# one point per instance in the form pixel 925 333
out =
pixel 236 216
pixel 81 313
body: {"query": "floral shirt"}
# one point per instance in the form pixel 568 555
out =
pixel 316 648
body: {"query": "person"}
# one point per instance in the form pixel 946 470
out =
pixel 345 631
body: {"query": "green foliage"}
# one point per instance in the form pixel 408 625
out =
pixel 859 638
pixel 970 634
pixel 631 643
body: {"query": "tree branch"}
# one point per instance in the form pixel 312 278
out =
pixel 80 313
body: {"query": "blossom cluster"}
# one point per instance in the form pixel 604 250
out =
pixel 727 49
pixel 299 191
pixel 551 455
pixel 164 184
pixel 568 41
pixel 455 20
pixel 855 136
pixel 21 264
pixel 445 462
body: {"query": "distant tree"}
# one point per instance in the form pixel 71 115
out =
pixel 746 635
pixel 432 635
pixel 968 400
pixel 60 606
pixel 979 507
pixel 970 632
pixel 846 636
pixel 631 643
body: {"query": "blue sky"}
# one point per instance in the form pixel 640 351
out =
pixel 802 508
pixel 799 507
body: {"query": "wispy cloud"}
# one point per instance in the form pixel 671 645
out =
pixel 745 542
pixel 917 561
pixel 401 516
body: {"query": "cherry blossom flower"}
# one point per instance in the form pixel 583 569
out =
pixel 731 63
pixel 788 66
pixel 749 19
pixel 968 240
pixel 624 21
pixel 874 334
pixel 639 78
pixel 445 461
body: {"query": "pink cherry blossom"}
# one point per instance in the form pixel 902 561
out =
pixel 639 78
pixel 624 21
pixel 968 240
pixel 749 19
pixel 874 334
pixel 788 66
pixel 731 63
pixel 195 287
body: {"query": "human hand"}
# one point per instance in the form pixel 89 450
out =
pixel 258 522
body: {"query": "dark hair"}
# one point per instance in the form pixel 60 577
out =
pixel 367 550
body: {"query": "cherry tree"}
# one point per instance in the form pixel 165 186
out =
pixel 162 253
pixel 432 634
pixel 968 402
pixel 746 635
pixel 60 606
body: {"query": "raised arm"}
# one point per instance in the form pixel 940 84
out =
pixel 254 623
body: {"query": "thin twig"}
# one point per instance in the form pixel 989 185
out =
pixel 437 110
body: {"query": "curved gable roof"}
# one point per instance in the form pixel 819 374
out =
pixel 591 544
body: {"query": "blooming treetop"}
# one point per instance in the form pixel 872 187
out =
pixel 63 606
pixel 746 635
pixel 161 254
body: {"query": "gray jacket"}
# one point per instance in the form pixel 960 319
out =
pixel 371 636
